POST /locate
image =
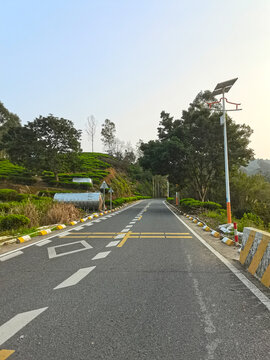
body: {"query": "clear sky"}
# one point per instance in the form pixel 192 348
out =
pixel 127 60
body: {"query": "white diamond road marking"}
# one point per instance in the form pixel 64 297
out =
pixel 52 253
pixel 113 243
pixel 44 243
pixel 10 256
pixel 75 278
pixel 15 324
pixel 101 255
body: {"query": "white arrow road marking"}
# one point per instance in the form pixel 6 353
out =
pixel 75 278
pixel 101 255
pixel 44 242
pixel 12 326
pixel 113 243
pixel 10 256
pixel 52 253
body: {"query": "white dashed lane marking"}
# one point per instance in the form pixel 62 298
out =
pixel 75 278
pixel 113 243
pixel 10 256
pixel 101 255
pixel 44 243
pixel 15 324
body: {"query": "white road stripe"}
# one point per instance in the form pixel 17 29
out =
pixel 10 256
pixel 113 243
pixel 120 236
pixel 90 224
pixel 75 278
pixel 62 235
pixel 96 220
pixel 12 326
pixel 132 222
pixel 43 243
pixel 129 226
pixel 101 255
pixel 78 228
pixel 125 230
pixel 260 295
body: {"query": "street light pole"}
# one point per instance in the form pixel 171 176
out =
pixel 223 88
pixel 227 181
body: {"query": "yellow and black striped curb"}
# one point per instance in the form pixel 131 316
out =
pixel 255 254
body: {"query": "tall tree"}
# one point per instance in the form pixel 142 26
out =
pixel 91 127
pixel 108 136
pixel 190 150
pixel 8 120
pixel 47 143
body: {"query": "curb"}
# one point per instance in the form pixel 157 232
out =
pixel 23 239
pixel 205 227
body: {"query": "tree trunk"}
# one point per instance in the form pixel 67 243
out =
pixel 56 176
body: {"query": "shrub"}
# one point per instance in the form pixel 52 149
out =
pixel 8 195
pixel 211 205
pixel 5 207
pixel 250 220
pixel 12 222
pixel 192 204
pixel 170 199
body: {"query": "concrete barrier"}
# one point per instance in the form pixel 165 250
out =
pixel 255 254
pixel 23 239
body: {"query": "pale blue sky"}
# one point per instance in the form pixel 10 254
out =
pixel 128 60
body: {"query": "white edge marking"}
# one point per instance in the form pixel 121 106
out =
pixel 75 278
pixel 11 255
pixel 101 255
pixel 15 324
pixel 253 288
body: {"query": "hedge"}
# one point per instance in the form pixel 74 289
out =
pixel 13 222
pixel 122 200
pixel 192 204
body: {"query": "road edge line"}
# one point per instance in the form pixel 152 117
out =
pixel 253 288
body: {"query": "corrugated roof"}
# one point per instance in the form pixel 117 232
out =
pixel 77 197
pixel 82 180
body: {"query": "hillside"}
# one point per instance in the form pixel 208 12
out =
pixel 258 166
pixel 126 180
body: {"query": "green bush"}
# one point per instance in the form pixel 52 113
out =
pixel 5 207
pixel 170 199
pixel 8 195
pixel 122 200
pixel 250 220
pixel 13 222
pixel 189 204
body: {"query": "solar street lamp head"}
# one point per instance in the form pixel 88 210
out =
pixel 223 87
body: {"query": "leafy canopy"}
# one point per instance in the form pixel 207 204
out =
pixel 47 143
pixel 190 150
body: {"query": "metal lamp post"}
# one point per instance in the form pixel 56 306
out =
pixel 223 88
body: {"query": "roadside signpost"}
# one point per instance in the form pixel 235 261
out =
pixel 103 187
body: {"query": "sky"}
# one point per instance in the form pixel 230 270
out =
pixel 127 60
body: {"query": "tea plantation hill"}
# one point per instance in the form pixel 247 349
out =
pixel 126 180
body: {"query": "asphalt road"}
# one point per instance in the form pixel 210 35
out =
pixel 136 284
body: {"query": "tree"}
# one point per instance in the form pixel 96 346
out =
pixel 47 143
pixel 8 120
pixel 190 150
pixel 91 126
pixel 108 136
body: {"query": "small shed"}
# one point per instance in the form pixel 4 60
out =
pixel 90 201
pixel 82 180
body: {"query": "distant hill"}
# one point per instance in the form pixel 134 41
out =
pixel 258 166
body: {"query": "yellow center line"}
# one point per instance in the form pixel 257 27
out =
pixel 124 239
pixel 178 237
pixel 177 233
pixel 152 236
pixel 95 233
pixel 4 354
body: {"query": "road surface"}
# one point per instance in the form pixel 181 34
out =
pixel 134 284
